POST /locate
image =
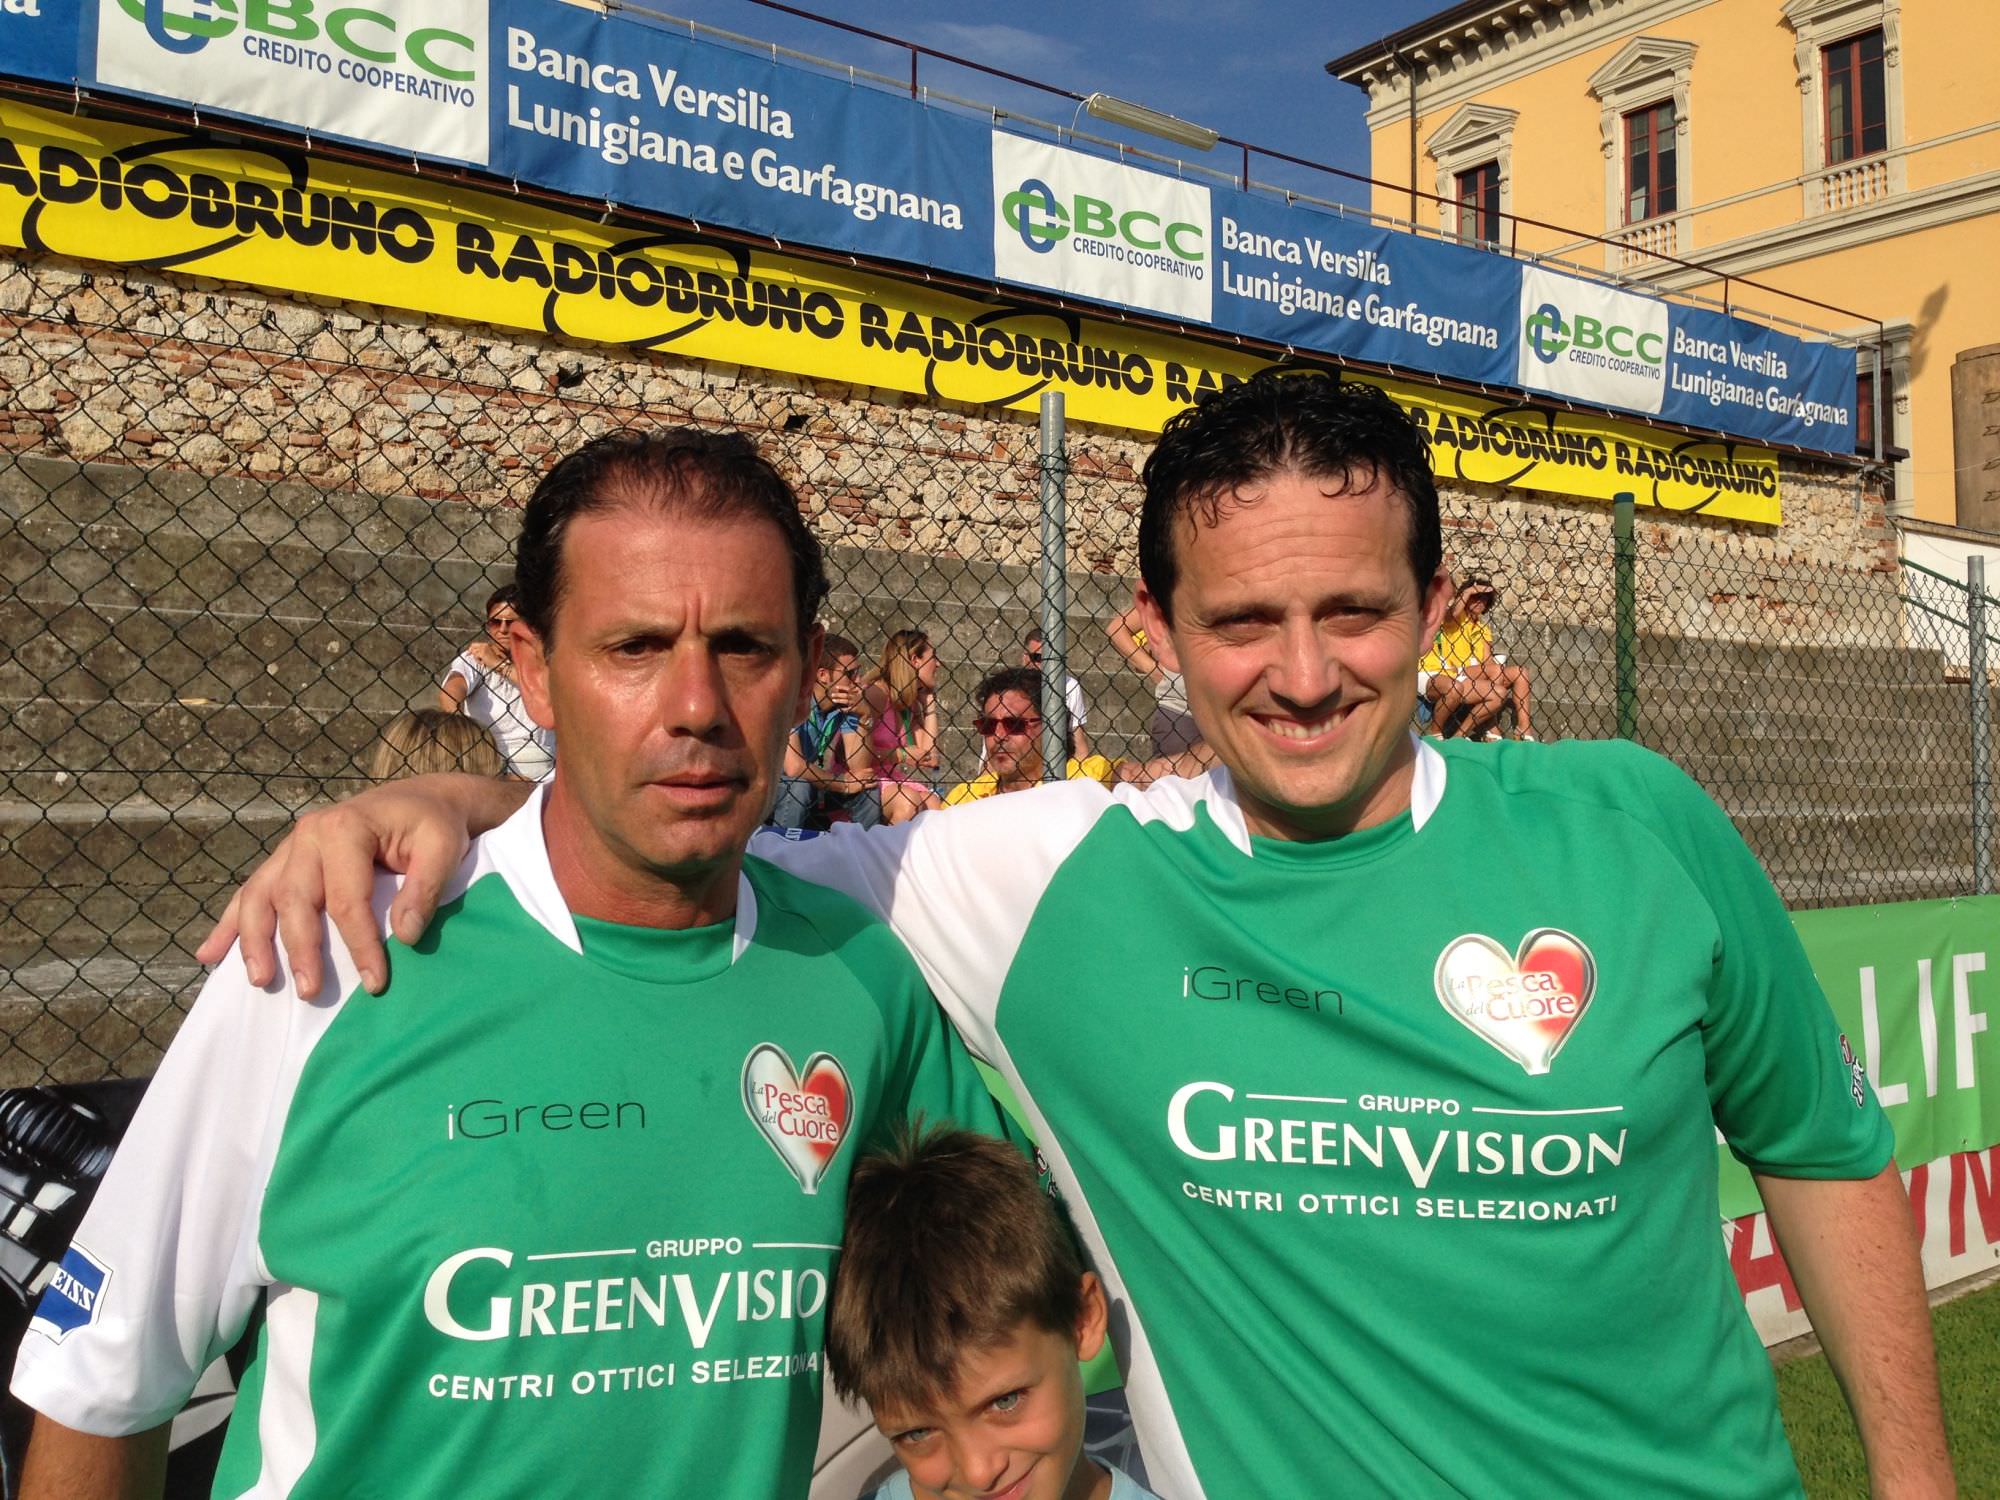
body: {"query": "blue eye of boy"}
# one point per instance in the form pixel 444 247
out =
pixel 1010 1401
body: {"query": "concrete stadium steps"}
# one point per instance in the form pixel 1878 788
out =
pixel 108 750
pixel 97 950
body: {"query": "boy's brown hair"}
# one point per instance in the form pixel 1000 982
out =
pixel 423 740
pixel 951 1246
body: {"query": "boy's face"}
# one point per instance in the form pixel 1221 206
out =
pixel 837 684
pixel 1013 1427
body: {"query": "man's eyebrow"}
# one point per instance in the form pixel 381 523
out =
pixel 1256 608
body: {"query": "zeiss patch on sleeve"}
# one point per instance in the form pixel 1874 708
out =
pixel 74 1295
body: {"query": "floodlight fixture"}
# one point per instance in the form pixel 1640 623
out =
pixel 1152 121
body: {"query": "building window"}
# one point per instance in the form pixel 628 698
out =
pixel 1644 100
pixel 1890 397
pixel 1473 154
pixel 1479 203
pixel 1651 166
pixel 1857 112
pixel 1849 59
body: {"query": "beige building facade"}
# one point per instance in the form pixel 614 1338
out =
pixel 1846 152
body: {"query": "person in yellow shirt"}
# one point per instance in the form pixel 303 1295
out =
pixel 1466 685
pixel 1010 724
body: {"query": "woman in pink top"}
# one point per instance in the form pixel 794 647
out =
pixel 902 724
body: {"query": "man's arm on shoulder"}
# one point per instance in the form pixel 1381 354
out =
pixel 64 1464
pixel 419 827
pixel 1852 1249
pixel 958 886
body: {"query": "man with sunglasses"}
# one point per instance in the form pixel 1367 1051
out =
pixel 1010 729
pixel 1395 1194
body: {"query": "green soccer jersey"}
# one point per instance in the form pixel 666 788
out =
pixel 1397 1151
pixel 554 1216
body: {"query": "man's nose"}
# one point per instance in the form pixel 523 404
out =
pixel 693 697
pixel 1306 672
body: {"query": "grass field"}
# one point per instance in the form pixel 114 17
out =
pixel 1968 1344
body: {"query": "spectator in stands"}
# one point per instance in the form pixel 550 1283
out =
pixel 1172 727
pixel 1010 728
pixel 901 699
pixel 1466 685
pixel 420 741
pixel 482 685
pixel 829 771
pixel 1073 704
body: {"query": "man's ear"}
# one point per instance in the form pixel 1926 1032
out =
pixel 531 666
pixel 815 645
pixel 1436 600
pixel 1093 1315
pixel 1159 634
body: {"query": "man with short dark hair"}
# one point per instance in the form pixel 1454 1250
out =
pixel 1032 647
pixel 1009 725
pixel 560 1212
pixel 1393 1194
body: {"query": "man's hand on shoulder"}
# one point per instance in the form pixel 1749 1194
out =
pixel 418 827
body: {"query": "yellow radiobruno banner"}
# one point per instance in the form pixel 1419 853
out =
pixel 288 221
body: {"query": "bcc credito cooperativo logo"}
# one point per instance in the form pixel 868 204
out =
pixel 366 36
pixel 1547 333
pixel 1135 236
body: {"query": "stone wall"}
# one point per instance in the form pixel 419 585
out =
pixel 110 366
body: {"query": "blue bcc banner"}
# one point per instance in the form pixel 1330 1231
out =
pixel 620 111
pixel 40 39
pixel 1742 377
pixel 1318 281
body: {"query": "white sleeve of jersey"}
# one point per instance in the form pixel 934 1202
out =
pixel 165 1271
pixel 464 666
pixel 960 885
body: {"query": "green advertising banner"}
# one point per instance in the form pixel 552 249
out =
pixel 1913 989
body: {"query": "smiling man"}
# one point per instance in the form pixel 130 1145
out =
pixel 559 1211
pixel 1398 1188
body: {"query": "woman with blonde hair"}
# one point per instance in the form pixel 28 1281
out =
pixel 423 740
pixel 901 697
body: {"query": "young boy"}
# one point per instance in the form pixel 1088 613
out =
pixel 960 1313
pixel 829 772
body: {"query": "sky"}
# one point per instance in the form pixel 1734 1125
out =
pixel 1251 69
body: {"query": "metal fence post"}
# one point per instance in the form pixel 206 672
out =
pixel 1625 613
pixel 1055 590
pixel 1982 707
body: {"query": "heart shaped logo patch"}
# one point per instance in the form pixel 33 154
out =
pixel 1525 1003
pixel 803 1112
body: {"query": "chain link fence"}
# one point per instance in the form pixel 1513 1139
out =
pixel 241 534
